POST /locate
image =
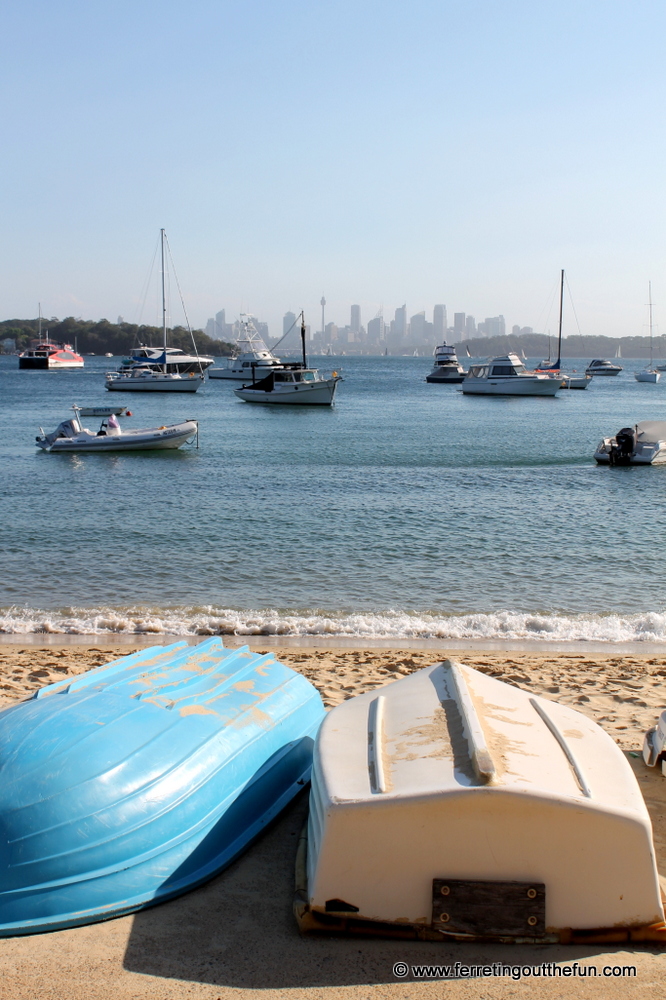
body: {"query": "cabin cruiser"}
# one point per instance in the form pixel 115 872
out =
pixel 176 360
pixel 447 367
pixel 642 444
pixel 46 354
pixel 253 358
pixel 70 435
pixel 506 375
pixel 601 367
pixel 450 805
pixel 293 383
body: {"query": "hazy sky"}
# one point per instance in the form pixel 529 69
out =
pixel 376 151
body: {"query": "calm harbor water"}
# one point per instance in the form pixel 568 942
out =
pixel 407 509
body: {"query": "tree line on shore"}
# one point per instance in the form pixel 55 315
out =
pixel 102 337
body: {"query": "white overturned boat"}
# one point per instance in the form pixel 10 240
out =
pixel 642 444
pixel 450 805
pixel 507 376
pixel 70 435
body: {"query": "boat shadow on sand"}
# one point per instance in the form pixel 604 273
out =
pixel 239 931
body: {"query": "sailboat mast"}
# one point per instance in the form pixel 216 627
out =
pixel 164 327
pixel 559 334
pixel 305 363
pixel 650 317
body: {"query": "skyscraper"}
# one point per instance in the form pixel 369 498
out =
pixel 459 324
pixel 470 327
pixel 288 320
pixel 439 323
pixel 417 329
pixel 355 323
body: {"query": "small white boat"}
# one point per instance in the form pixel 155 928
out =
pixel 253 358
pixel 570 380
pixel 507 376
pixel 450 805
pixel 143 378
pixel 574 381
pixel 70 435
pixel 642 444
pixel 601 367
pixel 447 368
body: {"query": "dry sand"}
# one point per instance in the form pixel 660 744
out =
pixel 236 937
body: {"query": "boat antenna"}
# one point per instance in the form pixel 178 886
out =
pixel 305 361
pixel 558 363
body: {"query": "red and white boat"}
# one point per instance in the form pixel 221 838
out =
pixel 48 354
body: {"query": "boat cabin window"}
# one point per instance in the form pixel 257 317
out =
pixel 477 371
pixel 507 369
pixel 307 376
pixel 283 377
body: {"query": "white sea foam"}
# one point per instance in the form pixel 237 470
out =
pixel 641 627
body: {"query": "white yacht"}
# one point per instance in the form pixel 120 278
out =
pixel 642 444
pixel 601 367
pixel 253 358
pixel 447 368
pixel 176 360
pixel 506 375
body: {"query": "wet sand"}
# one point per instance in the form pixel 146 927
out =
pixel 236 937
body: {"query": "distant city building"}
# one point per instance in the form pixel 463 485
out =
pixel 399 325
pixel 470 327
pixel 459 324
pixel 355 323
pixel 218 328
pixel 330 334
pixel 492 326
pixel 288 320
pixel 439 323
pixel 376 331
pixel 417 325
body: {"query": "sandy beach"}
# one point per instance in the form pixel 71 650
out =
pixel 236 937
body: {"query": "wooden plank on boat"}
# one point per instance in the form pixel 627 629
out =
pixel 489 909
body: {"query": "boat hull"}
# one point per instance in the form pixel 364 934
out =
pixel 320 394
pixel 168 384
pixel 512 387
pixel 48 364
pixel 647 376
pixel 451 379
pixel 161 769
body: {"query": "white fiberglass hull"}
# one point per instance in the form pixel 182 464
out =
pixel 516 386
pixel 654 454
pixel 649 375
pixel 149 439
pixel 320 394
pixel 159 383
pixel 576 381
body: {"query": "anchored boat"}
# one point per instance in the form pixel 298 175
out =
pixel 71 435
pixel 142 779
pixel 450 805
pixel 642 444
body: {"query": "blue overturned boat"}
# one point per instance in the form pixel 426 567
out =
pixel 143 778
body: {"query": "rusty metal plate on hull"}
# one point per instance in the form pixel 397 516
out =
pixel 489 909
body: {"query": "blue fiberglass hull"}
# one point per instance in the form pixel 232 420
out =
pixel 144 778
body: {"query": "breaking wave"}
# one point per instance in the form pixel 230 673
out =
pixel 390 624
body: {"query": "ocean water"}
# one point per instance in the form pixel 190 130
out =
pixel 406 510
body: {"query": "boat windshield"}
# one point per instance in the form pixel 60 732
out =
pixel 508 369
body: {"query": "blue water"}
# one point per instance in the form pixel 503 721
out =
pixel 407 507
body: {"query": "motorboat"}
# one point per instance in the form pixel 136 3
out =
pixel 176 360
pixel 601 367
pixel 155 374
pixel 302 386
pixel 506 375
pixel 447 368
pixel 451 805
pixel 141 779
pixel 574 381
pixel 650 373
pixel 253 358
pixel 292 384
pixel 147 378
pixel 48 355
pixel 642 444
pixel 70 435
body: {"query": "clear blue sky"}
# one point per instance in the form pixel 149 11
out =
pixel 380 152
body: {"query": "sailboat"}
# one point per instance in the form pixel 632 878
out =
pixel 572 381
pixel 649 373
pixel 155 377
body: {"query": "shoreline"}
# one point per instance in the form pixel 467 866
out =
pixel 44 640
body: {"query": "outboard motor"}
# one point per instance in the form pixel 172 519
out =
pixel 622 450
